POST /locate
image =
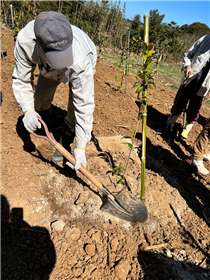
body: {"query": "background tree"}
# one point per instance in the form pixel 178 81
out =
pixel 104 21
pixel 156 27
pixel 136 27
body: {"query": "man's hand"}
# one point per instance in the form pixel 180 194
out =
pixel 188 71
pixel 31 121
pixel 79 155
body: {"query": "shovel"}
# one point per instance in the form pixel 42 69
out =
pixel 124 205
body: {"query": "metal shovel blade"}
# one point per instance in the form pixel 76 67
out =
pixel 126 207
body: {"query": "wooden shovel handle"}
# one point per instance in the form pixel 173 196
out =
pixel 82 169
pixel 71 159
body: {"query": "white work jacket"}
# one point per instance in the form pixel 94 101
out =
pixel 80 77
pixel 196 57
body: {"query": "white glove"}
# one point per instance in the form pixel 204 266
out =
pixel 79 155
pixel 31 121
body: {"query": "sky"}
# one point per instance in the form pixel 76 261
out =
pixel 181 12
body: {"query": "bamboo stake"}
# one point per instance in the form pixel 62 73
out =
pixel 144 117
pixel 11 10
pixel 127 63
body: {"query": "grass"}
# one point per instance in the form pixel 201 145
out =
pixel 169 75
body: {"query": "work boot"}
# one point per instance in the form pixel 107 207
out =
pixel 186 130
pixel 170 122
pixel 206 157
pixel 199 166
pixel 206 214
pixel 66 139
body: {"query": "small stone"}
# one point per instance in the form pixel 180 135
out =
pixel 143 246
pixel 89 268
pixel 121 269
pixel 90 249
pixel 113 223
pixel 114 244
pixel 96 236
pixel 105 225
pixel 77 271
pixel 73 234
pixel 58 226
pixel 83 197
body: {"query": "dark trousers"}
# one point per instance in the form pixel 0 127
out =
pixel 183 96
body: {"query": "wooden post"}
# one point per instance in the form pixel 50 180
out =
pixel 144 117
pixel 127 63
pixel 11 9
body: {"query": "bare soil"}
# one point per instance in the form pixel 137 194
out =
pixel 52 226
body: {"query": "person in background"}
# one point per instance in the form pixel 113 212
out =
pixel 200 153
pixel 63 53
pixel 201 150
pixel 194 86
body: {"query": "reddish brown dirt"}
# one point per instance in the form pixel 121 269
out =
pixel 52 225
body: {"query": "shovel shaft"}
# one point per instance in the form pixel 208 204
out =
pixel 68 156
pixel 132 212
pixel 82 169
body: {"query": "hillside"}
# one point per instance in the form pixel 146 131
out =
pixel 52 225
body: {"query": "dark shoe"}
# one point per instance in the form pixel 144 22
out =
pixel 67 138
pixel 206 214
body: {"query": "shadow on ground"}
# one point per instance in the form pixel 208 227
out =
pixel 173 168
pixel 26 252
pixel 160 267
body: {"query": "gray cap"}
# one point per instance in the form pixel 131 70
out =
pixel 54 34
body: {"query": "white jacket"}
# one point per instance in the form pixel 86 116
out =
pixel 196 57
pixel 80 77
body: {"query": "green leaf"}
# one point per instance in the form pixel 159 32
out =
pixel 150 64
pixel 132 133
pixel 130 146
pixel 150 46
pixel 136 84
pixel 133 160
pixel 117 167
pixel 144 57
pixel 121 181
pixel 139 89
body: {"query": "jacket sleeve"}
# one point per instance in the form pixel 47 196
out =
pixel 82 87
pixel 188 56
pixel 23 76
